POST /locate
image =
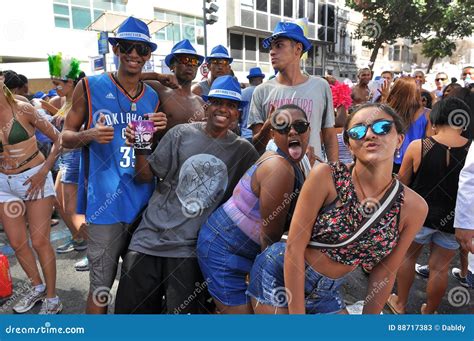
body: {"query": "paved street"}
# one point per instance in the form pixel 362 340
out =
pixel 73 286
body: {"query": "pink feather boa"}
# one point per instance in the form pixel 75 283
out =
pixel 341 95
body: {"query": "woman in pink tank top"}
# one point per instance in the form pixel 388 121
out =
pixel 256 215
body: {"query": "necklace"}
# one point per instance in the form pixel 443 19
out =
pixel 356 177
pixel 133 105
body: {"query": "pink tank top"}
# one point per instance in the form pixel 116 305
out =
pixel 244 206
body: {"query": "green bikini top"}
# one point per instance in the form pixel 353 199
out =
pixel 17 133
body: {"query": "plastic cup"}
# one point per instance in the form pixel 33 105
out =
pixel 143 134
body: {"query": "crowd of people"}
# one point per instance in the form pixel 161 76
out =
pixel 222 200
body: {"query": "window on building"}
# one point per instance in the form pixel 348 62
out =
pixel 321 15
pixel 182 27
pixel 396 53
pixel 405 54
pixel 342 42
pixel 330 22
pixel 311 13
pixel 301 9
pixel 78 14
pixel 262 5
pixel 288 8
pixel 247 4
pixel 236 46
pixel 313 62
pixel 263 53
pixel 275 7
pixel 247 53
pixel 250 48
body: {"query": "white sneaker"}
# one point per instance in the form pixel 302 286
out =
pixel 50 308
pixel 82 265
pixel 28 301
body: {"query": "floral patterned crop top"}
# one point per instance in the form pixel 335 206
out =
pixel 335 223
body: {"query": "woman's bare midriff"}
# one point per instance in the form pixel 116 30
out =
pixel 324 265
pixel 15 154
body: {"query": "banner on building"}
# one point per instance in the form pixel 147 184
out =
pixel 102 42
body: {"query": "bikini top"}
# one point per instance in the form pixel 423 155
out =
pixel 17 133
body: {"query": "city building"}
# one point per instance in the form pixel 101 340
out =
pixel 33 29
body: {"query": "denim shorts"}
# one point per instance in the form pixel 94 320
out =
pixel 12 187
pixel 322 294
pixel 69 166
pixel 226 256
pixel 428 235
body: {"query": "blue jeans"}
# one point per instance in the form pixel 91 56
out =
pixel 226 256
pixel 69 166
pixel 267 285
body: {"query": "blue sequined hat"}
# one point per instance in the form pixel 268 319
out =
pixel 182 47
pixel 219 52
pixel 226 87
pixel 288 30
pixel 135 30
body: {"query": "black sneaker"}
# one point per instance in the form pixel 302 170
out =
pixel 456 272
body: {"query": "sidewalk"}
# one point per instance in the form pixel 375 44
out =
pixel 73 286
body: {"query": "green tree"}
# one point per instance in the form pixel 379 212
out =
pixel 386 20
pixel 437 47
pixel 455 23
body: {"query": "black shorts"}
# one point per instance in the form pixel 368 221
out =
pixel 160 285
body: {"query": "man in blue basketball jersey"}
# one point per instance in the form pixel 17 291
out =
pixel 108 194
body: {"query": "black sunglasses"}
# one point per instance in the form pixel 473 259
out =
pixel 440 79
pixel 380 127
pixel 127 48
pixel 299 126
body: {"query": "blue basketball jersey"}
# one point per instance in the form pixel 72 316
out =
pixel 107 192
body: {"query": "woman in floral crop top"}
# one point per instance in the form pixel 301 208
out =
pixel 300 277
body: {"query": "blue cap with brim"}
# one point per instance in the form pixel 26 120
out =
pixel 219 52
pixel 40 95
pixel 133 29
pixel 226 87
pixel 182 47
pixel 288 30
pixel 255 72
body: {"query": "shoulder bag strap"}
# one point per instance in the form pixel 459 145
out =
pixel 385 206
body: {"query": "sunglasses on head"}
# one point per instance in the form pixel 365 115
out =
pixel 299 126
pixel 380 127
pixel 187 60
pixel 440 79
pixel 127 48
pixel 222 62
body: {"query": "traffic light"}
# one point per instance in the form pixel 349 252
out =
pixel 209 17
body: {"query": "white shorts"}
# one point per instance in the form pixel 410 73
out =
pixel 12 188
